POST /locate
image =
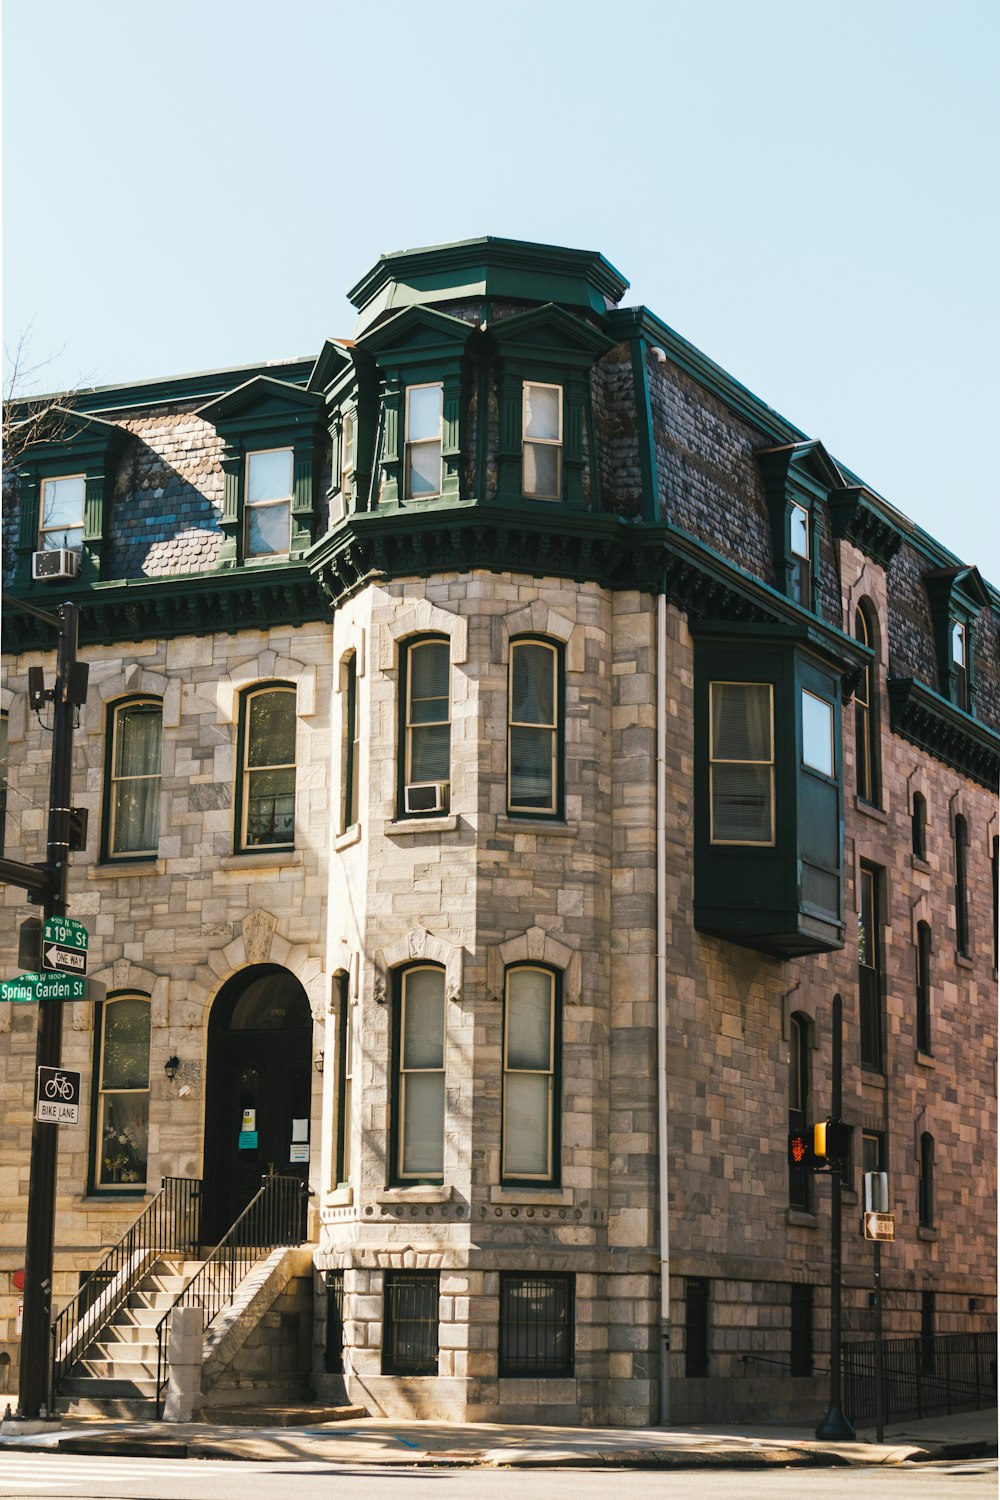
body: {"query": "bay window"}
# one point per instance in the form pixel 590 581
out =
pixel 741 771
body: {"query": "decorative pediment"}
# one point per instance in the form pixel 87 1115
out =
pixel 806 466
pixel 419 333
pixel 263 402
pixel 550 335
pixel 960 587
pixel 332 363
pixel 60 434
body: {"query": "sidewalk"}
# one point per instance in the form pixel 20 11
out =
pixel 375 1440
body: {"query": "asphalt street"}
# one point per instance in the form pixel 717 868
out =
pixel 43 1475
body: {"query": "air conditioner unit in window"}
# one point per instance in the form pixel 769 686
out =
pixel 60 562
pixel 427 796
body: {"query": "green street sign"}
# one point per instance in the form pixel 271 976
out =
pixel 29 988
pixel 67 932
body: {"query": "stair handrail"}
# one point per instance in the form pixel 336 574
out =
pixel 272 1218
pixel 169 1223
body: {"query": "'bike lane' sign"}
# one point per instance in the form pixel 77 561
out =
pixel 57 1101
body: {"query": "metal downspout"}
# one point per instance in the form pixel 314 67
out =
pixel 661 1004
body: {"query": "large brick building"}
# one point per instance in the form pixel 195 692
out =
pixel 505 735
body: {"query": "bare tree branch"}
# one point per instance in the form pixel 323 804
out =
pixel 26 418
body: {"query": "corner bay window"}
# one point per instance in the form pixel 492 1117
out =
pixel 742 763
pixel 533 751
pixel 62 512
pixel 541 437
pixel 133 795
pixel 427 727
pixel 121 1099
pixel 267 783
pixel 530 1042
pixel 268 502
pixel 420 1075
pixel 424 404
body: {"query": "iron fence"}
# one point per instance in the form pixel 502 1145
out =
pixel 921 1376
pixel 274 1217
pixel 169 1225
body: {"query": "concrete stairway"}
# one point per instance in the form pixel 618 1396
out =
pixel 116 1374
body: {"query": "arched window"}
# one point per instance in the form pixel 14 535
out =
pixel 923 987
pixel 866 711
pixel 534 729
pixel 799 1177
pixel 419 1093
pixel 132 798
pixel 926 1184
pixel 918 826
pixel 265 815
pixel 530 1145
pixel 121 1097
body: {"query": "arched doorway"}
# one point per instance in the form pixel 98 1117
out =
pixel 259 1083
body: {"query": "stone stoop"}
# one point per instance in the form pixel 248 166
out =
pixel 116 1374
pixel 243 1361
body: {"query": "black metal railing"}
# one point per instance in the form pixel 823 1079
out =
pixel 169 1225
pixel 275 1217
pixel 922 1376
pixel 410 1323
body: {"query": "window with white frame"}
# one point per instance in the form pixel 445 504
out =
pixel 268 508
pixel 133 824
pixel 800 552
pixel 426 736
pixel 420 1075
pixel 62 512
pixel 960 663
pixel 541 440
pixel 530 1045
pixel 267 776
pixel 121 1099
pixel 533 728
pixel 347 455
pixel 424 406
pixel 741 769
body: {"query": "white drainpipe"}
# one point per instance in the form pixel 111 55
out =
pixel 661 1002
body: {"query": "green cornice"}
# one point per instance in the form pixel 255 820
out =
pixel 172 389
pixel 933 724
pixel 806 463
pixel 194 604
pixel 857 518
pixel 509 270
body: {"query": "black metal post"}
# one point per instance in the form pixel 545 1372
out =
pixel 38 1251
pixel 835 1426
pixel 879 1370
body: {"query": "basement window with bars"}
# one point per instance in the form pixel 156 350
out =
pixel 410 1323
pixel 536 1325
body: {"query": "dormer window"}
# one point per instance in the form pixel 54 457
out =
pixel 800 570
pixel 541 436
pixel 424 405
pixel 347 455
pixel 269 502
pixel 959 664
pixel 62 512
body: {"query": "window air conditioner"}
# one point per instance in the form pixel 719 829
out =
pixel 60 562
pixel 427 796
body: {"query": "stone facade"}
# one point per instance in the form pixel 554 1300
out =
pixel 601 896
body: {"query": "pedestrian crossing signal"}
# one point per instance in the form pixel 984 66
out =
pixel 800 1149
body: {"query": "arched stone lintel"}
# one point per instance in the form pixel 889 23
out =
pixel 538 619
pixel 538 946
pixel 419 944
pixel 265 667
pixel 415 619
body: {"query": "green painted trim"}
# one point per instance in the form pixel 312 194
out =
pixel 170 389
pixel 932 723
pixel 856 518
pixel 290 404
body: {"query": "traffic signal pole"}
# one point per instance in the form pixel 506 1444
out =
pixel 835 1426
pixel 70 691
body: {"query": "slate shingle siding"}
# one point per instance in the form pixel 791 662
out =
pixel 616 421
pixel 709 482
pixel 986 648
pixel 8 527
pixel 167 498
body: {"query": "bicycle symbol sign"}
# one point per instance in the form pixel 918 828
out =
pixel 57 1100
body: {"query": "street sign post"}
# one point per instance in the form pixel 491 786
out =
pixel 30 988
pixel 880 1226
pixel 57 1097
pixel 65 945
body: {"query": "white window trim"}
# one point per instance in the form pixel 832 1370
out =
pixel 409 443
pixel 101 1093
pixel 556 442
pixel 549 1072
pixel 254 505
pixel 553 728
pixel 114 780
pixel 421 1175
pixel 43 530
pixel 246 770
pixel 412 647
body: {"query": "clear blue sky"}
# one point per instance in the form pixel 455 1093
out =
pixel 806 192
